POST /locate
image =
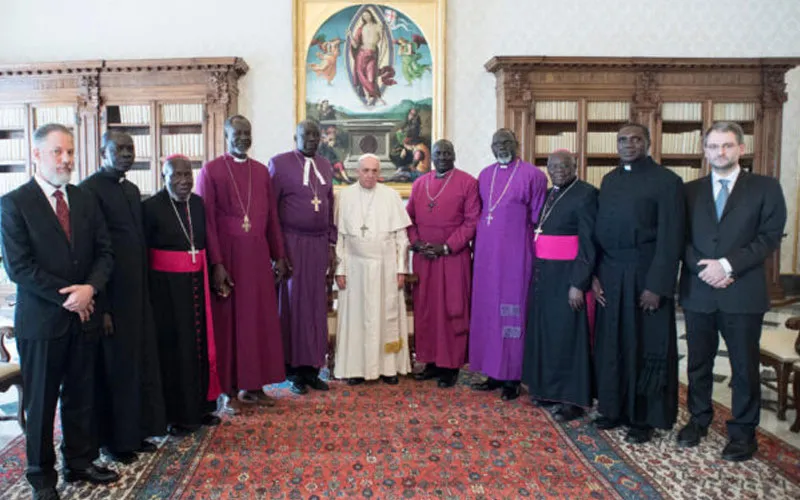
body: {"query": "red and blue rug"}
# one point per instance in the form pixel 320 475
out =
pixel 415 440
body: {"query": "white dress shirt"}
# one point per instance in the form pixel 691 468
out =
pixel 49 190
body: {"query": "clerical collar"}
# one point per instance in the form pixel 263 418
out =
pixel 236 159
pixel 636 165
pixel 558 188
pixel 114 174
pixel 443 174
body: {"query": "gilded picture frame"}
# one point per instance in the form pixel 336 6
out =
pixel 373 75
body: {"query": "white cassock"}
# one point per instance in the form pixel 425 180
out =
pixel 372 332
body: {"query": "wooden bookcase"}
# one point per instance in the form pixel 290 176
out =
pixel 579 103
pixel 168 105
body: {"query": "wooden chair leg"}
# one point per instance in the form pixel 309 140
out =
pixel 783 389
pixel 796 386
pixel 21 409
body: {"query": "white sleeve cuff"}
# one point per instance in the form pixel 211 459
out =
pixel 726 266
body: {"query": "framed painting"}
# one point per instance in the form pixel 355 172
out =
pixel 372 75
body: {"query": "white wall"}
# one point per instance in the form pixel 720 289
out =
pixel 260 31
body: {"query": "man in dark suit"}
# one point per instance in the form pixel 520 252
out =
pixel 57 250
pixel 735 221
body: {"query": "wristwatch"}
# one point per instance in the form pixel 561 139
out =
pixel 446 249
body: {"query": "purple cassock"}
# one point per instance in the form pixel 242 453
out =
pixel 305 210
pixel 502 267
pixel 246 327
pixel 443 211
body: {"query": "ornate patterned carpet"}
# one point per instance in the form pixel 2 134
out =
pixel 417 441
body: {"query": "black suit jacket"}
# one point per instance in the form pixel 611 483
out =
pixel 40 259
pixel 749 231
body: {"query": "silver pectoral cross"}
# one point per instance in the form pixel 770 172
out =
pixel 363 230
pixel 193 252
pixel 537 233
pixel 316 202
pixel 489 219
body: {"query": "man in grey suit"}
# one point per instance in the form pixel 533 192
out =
pixel 735 220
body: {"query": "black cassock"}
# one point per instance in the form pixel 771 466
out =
pixel 130 403
pixel 639 233
pixel 557 364
pixel 179 309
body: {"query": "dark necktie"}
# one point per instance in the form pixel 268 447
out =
pixel 62 212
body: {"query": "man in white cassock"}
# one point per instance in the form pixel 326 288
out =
pixel 372 332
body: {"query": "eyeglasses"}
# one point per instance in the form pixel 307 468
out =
pixel 717 147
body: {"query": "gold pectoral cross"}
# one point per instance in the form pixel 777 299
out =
pixel 316 202
pixel 246 224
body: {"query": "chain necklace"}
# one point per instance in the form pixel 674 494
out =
pixel 246 220
pixel 432 200
pixel 316 201
pixel 545 215
pixel 491 189
pixel 190 233
pixel 364 213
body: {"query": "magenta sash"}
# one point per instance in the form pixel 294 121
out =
pixel 181 262
pixel 549 247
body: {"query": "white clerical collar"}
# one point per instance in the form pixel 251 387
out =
pixel 627 168
pixel 239 160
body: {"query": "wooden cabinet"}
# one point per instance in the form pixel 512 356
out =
pixel 168 105
pixel 579 103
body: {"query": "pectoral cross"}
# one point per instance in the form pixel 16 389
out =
pixel 363 230
pixel 489 219
pixel 193 252
pixel 316 202
pixel 431 205
pixel 246 224
pixel 537 233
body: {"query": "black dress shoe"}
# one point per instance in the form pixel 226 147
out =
pixel 393 380
pixel 489 384
pixel 147 447
pixel 543 403
pixel 91 474
pixel 298 387
pixel 567 413
pixel 428 373
pixel 606 424
pixel 46 494
pixel 177 430
pixel 447 378
pixel 639 435
pixel 739 451
pixel 210 420
pixel 510 392
pixel 355 381
pixel 691 434
pixel 317 384
pixel 123 457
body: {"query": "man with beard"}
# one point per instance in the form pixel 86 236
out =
pixel 735 222
pixel 175 229
pixel 302 183
pixel 639 233
pixel 444 207
pixel 130 403
pixel 243 235
pixel 56 249
pixel 557 366
pixel 512 192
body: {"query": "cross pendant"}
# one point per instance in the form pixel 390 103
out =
pixel 193 252
pixel 363 230
pixel 316 202
pixel 246 224
pixel 489 220
pixel 537 233
pixel 431 205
